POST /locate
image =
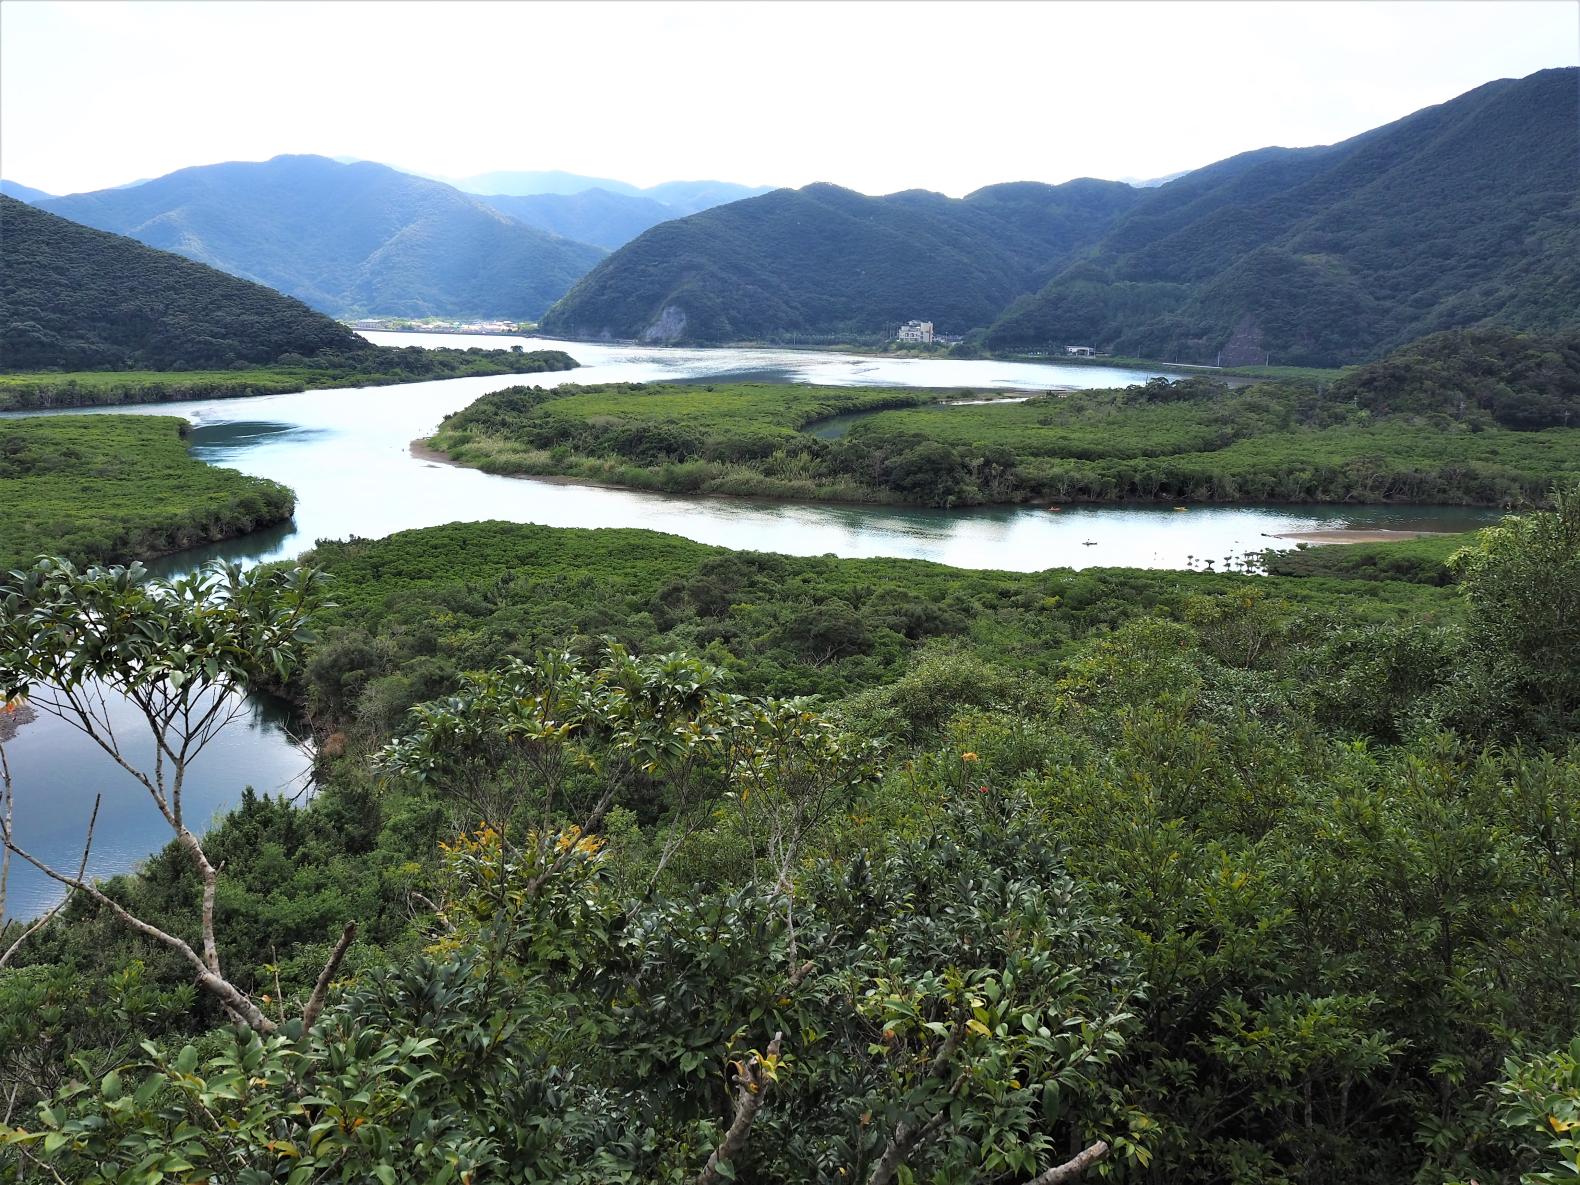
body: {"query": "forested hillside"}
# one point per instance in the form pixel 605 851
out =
pixel 824 261
pixel 1518 380
pixel 75 298
pixel 1462 214
pixel 349 239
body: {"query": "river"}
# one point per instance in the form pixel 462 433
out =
pixel 347 455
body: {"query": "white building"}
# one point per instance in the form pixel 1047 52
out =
pixel 1081 351
pixel 915 331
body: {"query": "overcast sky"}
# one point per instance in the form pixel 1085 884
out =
pixel 877 97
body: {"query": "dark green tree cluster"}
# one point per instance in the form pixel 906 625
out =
pixel 1516 380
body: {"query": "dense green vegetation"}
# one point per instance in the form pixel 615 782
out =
pixel 348 239
pixel 1461 214
pixel 109 488
pixel 80 299
pixel 1515 380
pixel 716 438
pixel 827 261
pixel 1249 879
pixel 379 366
pixel 414 610
pixel 1189 440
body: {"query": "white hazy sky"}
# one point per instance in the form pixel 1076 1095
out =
pixel 877 96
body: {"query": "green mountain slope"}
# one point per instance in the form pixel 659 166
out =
pixel 1462 214
pixel 79 299
pixel 1519 380
pixel 349 239
pixel 826 261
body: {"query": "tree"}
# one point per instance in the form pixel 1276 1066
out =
pixel 181 651
pixel 1522 581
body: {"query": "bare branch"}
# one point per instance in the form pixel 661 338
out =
pixel 315 1003
pixel 751 1081
pixel 5 843
pixel 1073 1167
pixel 5 830
pixel 233 998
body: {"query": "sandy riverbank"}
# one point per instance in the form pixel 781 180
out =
pixel 1347 535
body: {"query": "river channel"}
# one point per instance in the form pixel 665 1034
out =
pixel 347 455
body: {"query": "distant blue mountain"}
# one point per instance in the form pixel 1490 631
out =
pixel 682 197
pixel 523 184
pixel 594 216
pixel 22 193
pixel 348 239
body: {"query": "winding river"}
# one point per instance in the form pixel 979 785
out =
pixel 347 454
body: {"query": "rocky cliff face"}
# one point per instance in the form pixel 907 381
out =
pixel 668 326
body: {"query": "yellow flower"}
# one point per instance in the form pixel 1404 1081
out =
pixel 969 757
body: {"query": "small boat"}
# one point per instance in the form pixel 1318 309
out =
pixel 1182 508
pixel 1055 509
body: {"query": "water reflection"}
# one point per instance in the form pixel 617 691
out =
pixel 57 771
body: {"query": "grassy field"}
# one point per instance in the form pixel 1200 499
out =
pixel 37 391
pixel 1190 441
pixel 117 488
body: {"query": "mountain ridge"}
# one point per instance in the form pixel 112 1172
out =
pixel 1463 213
pixel 756 268
pixel 347 239
pixel 1459 214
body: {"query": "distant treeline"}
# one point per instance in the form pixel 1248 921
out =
pixel 374 367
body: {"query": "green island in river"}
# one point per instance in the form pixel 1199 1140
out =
pixel 107 489
pixel 1400 430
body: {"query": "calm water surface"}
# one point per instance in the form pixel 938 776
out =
pixel 347 455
